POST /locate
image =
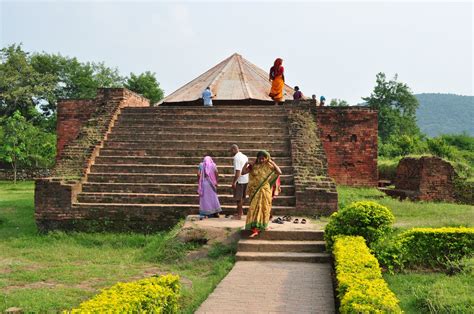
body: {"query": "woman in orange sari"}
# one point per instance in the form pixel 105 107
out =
pixel 277 77
pixel 264 174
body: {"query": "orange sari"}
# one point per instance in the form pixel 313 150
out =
pixel 276 93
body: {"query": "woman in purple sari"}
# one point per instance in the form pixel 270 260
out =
pixel 209 205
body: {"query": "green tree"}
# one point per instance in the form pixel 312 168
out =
pixel 22 88
pixel 74 79
pixel 338 103
pixel 13 144
pixel 396 107
pixel 146 85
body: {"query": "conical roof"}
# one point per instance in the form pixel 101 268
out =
pixel 233 81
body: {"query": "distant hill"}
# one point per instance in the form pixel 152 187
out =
pixel 445 113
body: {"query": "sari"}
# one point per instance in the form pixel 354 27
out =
pixel 207 188
pixel 278 82
pixel 260 188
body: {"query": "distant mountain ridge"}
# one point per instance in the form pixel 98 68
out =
pixel 445 113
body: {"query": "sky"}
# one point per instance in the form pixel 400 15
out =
pixel 332 48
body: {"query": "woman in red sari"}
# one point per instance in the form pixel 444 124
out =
pixel 277 78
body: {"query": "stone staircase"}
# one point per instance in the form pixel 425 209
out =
pixel 284 246
pixel 148 163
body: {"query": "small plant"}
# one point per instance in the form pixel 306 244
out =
pixel 367 219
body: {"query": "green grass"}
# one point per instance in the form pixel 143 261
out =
pixel 433 292
pixel 424 292
pixel 59 270
pixel 412 214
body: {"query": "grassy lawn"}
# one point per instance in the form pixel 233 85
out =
pixel 412 214
pixel 57 271
pixel 424 292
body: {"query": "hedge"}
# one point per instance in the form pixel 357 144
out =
pixel 365 218
pixel 435 247
pixel 151 295
pixel 360 286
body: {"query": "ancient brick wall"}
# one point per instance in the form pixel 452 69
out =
pixel 72 114
pixel 429 178
pixel 349 137
pixel 54 196
pixel 315 191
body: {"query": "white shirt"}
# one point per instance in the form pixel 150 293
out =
pixel 239 162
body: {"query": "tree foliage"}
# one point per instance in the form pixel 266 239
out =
pixel 23 145
pixel 22 87
pixel 338 103
pixel 396 107
pixel 145 84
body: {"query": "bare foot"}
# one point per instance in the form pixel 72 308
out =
pixel 254 234
pixel 236 217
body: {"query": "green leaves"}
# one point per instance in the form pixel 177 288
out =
pixel 396 107
pixel 147 85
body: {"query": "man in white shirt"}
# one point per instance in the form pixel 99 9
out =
pixel 239 182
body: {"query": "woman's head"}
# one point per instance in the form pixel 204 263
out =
pixel 263 156
pixel 207 159
pixel 278 62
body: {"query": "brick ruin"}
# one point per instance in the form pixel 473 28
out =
pixel 349 137
pixel 123 165
pixel 425 178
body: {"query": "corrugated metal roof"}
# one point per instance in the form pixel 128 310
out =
pixel 233 79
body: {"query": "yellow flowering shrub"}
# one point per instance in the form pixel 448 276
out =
pixel 360 286
pixel 150 295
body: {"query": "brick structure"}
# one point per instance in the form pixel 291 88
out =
pixel 54 196
pixel 72 114
pixel 349 137
pixel 315 190
pixel 426 178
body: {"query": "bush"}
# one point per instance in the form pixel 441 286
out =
pixel 151 295
pixel 367 219
pixel 435 247
pixel 360 286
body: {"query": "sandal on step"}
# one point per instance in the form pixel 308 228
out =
pixel 296 221
pixel 303 221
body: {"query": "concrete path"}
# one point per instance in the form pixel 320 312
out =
pixel 273 287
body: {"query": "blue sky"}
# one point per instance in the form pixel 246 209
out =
pixel 333 49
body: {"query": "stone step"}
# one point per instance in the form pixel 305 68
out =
pixel 234 124
pixel 176 169
pixel 202 109
pixel 186 152
pixel 252 245
pixel 170 188
pixel 198 116
pixel 287 235
pixel 163 178
pixel 139 211
pixel 169 136
pixel 191 143
pixel 146 198
pixel 145 160
pixel 212 129
pixel 284 257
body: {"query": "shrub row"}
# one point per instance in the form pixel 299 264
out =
pixel 360 286
pixel 436 248
pixel 151 295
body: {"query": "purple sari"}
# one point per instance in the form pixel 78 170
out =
pixel 207 189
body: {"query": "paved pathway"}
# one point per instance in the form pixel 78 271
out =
pixel 273 287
